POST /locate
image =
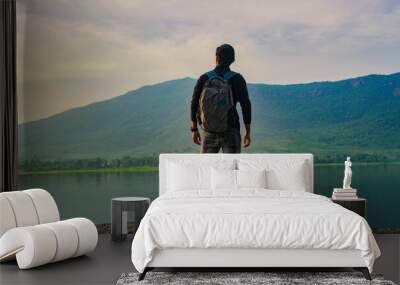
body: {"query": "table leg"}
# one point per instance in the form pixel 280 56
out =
pixel 116 222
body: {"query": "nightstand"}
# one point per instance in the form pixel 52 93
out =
pixel 358 206
pixel 119 214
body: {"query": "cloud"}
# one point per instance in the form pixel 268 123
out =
pixel 76 52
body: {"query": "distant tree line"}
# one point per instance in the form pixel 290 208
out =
pixel 356 157
pixel 36 164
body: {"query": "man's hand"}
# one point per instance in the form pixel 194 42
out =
pixel 196 137
pixel 246 138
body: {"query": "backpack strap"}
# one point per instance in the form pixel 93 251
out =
pixel 226 76
pixel 229 75
pixel 212 74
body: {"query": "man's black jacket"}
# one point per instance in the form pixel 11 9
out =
pixel 239 92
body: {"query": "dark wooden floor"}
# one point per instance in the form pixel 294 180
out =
pixel 110 260
pixel 103 266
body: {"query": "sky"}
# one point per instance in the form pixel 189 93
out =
pixel 75 52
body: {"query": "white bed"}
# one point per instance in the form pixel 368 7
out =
pixel 249 227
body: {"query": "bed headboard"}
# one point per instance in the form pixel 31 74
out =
pixel 166 157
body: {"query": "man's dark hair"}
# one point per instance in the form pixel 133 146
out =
pixel 226 54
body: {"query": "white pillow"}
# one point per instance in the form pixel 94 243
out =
pixel 193 175
pixel 223 179
pixel 183 177
pixel 282 174
pixel 251 178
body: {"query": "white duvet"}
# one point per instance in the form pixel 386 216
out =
pixel 250 219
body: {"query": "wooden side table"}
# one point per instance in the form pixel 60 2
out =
pixel 119 214
pixel 358 206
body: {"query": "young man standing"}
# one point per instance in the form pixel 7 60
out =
pixel 213 105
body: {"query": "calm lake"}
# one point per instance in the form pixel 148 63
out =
pixel 89 194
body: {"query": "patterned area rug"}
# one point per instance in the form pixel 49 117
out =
pixel 243 278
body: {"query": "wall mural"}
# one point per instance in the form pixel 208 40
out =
pixel 105 87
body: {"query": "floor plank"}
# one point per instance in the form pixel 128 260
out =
pixel 389 262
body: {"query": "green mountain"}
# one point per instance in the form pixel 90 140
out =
pixel 359 116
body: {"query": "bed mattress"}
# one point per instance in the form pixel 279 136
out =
pixel 250 219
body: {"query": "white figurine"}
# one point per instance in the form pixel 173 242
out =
pixel 347 174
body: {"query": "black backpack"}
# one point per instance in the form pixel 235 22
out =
pixel 216 103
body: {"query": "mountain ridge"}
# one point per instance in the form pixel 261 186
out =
pixel 193 79
pixel 329 118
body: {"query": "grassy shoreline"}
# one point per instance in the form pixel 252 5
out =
pixel 149 169
pixel 134 169
pixel 358 163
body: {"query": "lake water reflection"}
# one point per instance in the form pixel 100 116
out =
pixel 89 194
